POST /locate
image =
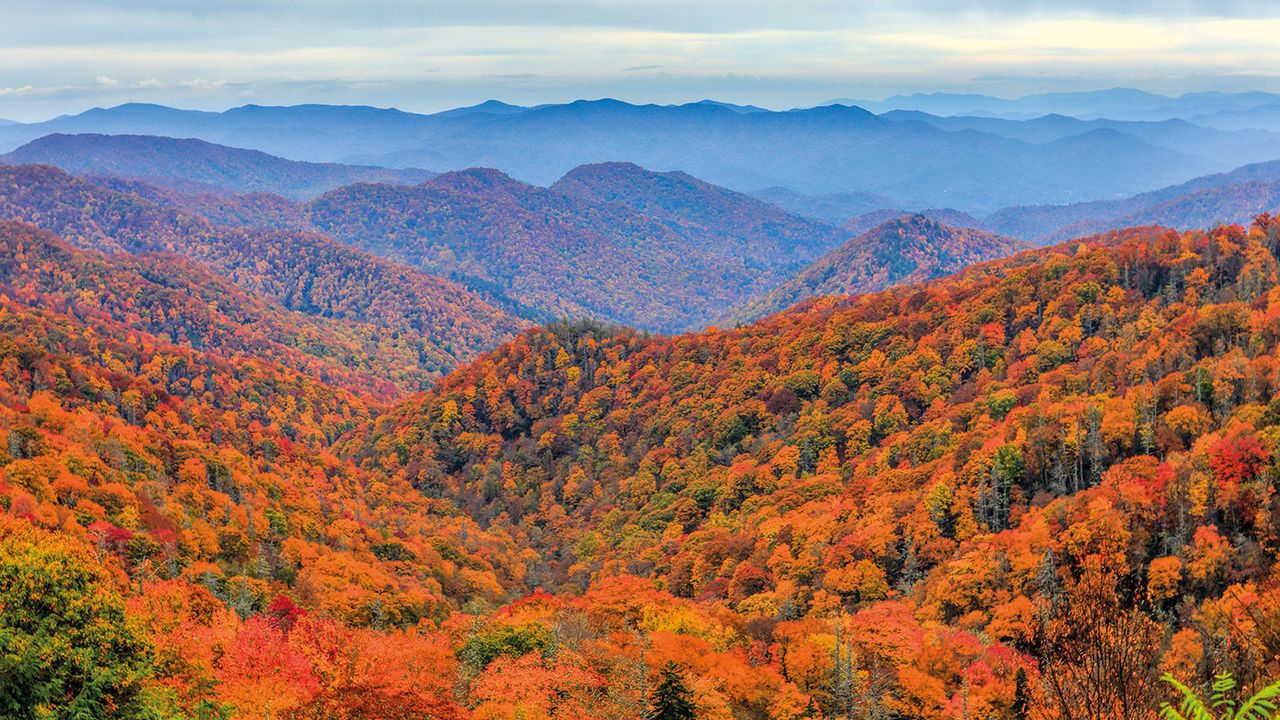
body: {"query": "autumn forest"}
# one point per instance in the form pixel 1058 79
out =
pixel 942 407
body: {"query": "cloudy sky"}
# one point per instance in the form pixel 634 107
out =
pixel 60 57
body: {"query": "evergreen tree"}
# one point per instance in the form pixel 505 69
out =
pixel 672 699
pixel 1021 696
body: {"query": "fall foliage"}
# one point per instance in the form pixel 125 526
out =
pixel 661 252
pixel 903 249
pixel 974 497
pixel 410 327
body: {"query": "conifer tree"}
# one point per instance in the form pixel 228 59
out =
pixel 672 699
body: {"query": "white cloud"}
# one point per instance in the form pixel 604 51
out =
pixel 202 84
pixel 428 55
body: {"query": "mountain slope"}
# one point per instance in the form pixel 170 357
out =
pixel 182 303
pixel 989 495
pixel 251 210
pixel 908 249
pixel 1022 459
pixel 724 221
pixel 197 165
pixel 147 422
pixel 419 325
pixel 572 257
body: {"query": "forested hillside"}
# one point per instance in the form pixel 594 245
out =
pixel 1041 481
pixel 646 360
pixel 1016 491
pixel 415 326
pixel 904 249
pixel 601 246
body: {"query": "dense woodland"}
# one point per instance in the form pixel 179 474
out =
pixel 909 248
pixel 1025 490
pixel 666 254
pixel 417 326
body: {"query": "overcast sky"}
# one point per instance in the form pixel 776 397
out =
pixel 61 57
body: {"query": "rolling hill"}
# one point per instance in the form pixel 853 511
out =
pixel 416 326
pixel 903 250
pixel 721 220
pixel 189 164
pixel 660 252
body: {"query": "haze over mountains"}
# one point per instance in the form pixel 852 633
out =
pixel 197 165
pixel 1223 110
pixel 916 161
pixel 1220 198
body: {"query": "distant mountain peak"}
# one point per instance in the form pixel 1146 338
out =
pixel 602 103
pixel 611 168
pixel 744 109
pixel 837 109
pixel 477 180
pixel 489 107
pixel 907 248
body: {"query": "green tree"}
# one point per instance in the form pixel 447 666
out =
pixel 66 649
pixel 671 699
pixel 506 641
pixel 1021 696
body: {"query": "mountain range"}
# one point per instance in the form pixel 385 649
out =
pixel 1223 110
pixel 822 150
pixel 661 251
